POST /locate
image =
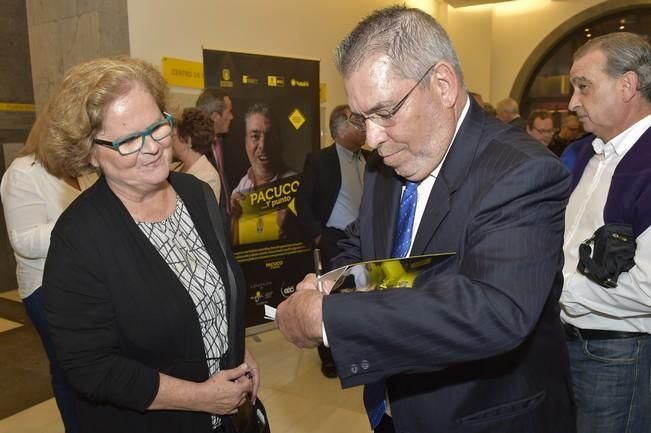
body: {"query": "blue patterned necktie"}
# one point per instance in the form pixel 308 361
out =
pixel 374 393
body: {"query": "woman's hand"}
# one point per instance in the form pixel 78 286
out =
pixel 254 373
pixel 227 390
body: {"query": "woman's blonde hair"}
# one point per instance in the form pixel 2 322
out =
pixel 76 111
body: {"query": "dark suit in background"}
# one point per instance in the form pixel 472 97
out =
pixel 329 195
pixel 316 197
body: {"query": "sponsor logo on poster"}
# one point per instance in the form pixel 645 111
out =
pixel 247 79
pixel 299 83
pixel 226 78
pixel 275 81
pixel 296 118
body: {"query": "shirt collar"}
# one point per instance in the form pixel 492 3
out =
pixel 621 143
pixel 464 112
pixel 345 153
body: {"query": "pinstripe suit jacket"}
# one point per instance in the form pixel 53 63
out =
pixel 476 345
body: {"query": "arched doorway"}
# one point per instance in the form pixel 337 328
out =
pixel 543 81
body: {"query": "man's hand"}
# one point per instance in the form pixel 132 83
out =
pixel 299 318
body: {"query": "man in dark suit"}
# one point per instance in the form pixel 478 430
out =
pixel 329 196
pixel 476 344
pixel 331 186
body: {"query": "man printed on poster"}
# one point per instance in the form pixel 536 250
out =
pixel 259 203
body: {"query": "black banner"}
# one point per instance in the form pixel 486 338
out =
pixel 283 95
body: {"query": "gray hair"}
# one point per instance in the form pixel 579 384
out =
pixel 211 100
pixel 624 52
pixel 338 117
pixel 412 39
pixel 508 105
pixel 259 108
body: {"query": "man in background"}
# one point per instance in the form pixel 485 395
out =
pixel 570 130
pixel 476 344
pixel 218 105
pixel 540 126
pixel 508 111
pixel 608 323
pixel 329 196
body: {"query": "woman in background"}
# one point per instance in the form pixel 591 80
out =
pixel 144 303
pixel 195 132
pixel 34 193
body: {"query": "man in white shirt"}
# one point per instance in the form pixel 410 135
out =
pixel 608 327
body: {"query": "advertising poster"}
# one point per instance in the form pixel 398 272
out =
pixel 275 125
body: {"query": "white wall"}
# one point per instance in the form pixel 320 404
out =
pixel 493 41
pixel 289 28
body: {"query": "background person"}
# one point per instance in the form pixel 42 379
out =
pixel 476 344
pixel 135 281
pixel 508 111
pixel 608 327
pixel 329 195
pixel 570 131
pixel 34 193
pixel 540 126
pixel 215 103
pixel 193 139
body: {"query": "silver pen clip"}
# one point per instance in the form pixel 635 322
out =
pixel 318 268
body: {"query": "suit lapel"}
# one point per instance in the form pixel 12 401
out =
pixel 386 201
pixel 454 171
pixel 334 175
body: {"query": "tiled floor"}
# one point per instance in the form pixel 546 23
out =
pixel 297 397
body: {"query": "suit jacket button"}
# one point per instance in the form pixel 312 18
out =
pixel 365 365
pixel 354 368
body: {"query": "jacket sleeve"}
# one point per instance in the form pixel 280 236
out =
pixel 25 211
pixel 487 303
pixel 85 329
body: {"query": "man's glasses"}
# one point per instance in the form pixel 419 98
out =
pixel 384 117
pixel 132 143
pixel 543 131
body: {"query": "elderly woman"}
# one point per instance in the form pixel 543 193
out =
pixel 145 321
pixel 195 132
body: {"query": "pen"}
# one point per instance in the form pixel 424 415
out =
pixel 318 268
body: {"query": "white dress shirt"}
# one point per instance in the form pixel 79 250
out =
pixel 32 200
pixel 586 304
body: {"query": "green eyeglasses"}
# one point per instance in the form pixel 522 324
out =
pixel 132 143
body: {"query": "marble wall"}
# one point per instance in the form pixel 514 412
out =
pixel 15 87
pixel 63 33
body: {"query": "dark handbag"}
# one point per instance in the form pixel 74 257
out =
pixel 614 253
pixel 250 418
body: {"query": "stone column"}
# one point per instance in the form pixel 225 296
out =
pixel 63 33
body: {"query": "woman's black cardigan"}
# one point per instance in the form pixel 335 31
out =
pixel 119 315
